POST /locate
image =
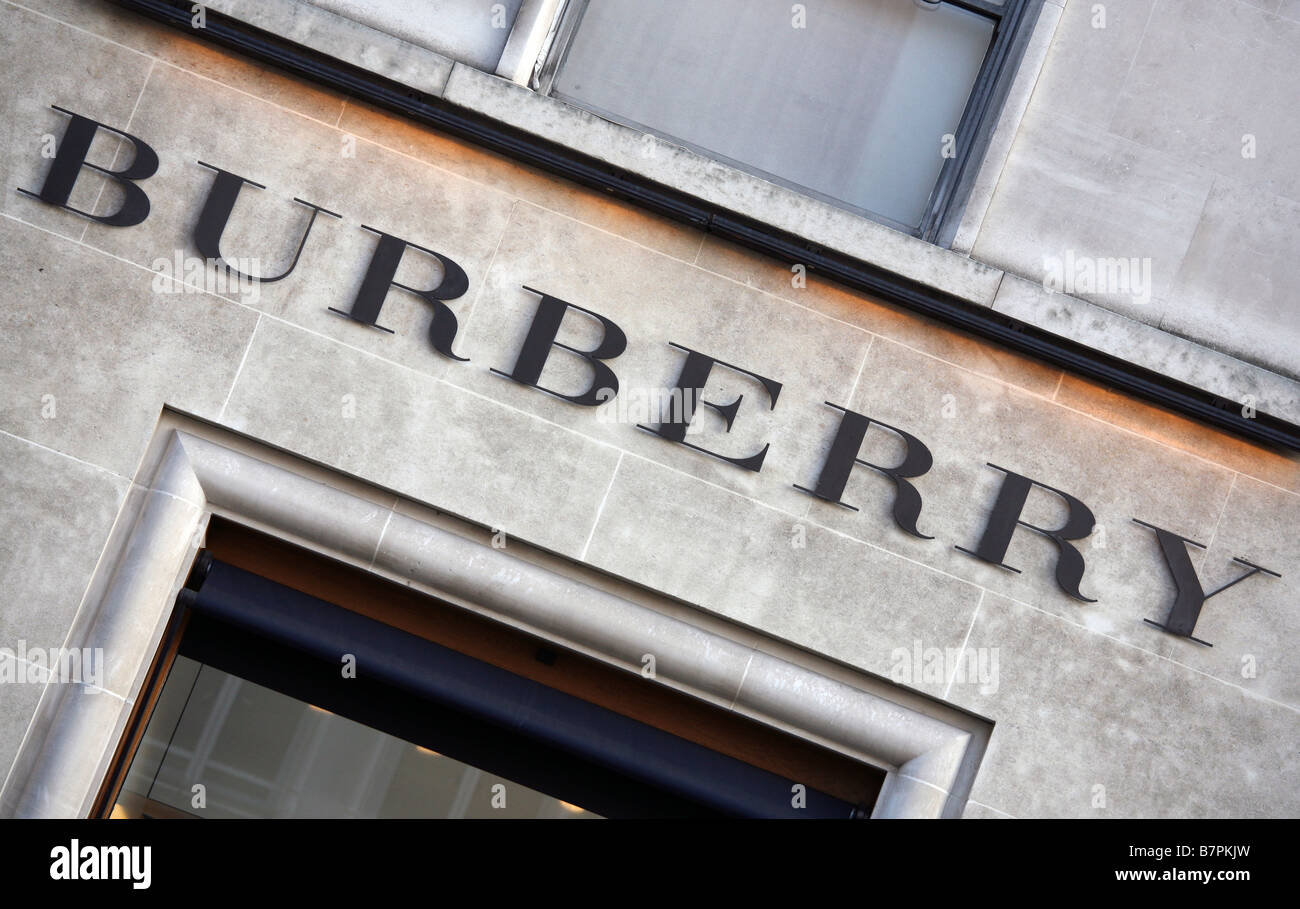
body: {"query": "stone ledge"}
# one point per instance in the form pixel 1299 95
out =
pixel 1153 348
pixel 344 39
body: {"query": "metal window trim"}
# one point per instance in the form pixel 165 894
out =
pixel 527 40
pixel 980 120
pixel 569 20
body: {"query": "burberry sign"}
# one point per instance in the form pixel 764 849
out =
pixel 690 385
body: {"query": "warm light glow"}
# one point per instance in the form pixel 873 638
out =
pixel 428 751
pixel 574 808
pixel 119 813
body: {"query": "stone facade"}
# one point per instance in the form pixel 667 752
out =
pixel 1095 713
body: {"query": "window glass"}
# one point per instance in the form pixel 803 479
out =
pixel 848 99
pixel 260 753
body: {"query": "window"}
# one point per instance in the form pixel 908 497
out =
pixel 447 714
pixel 261 753
pixel 878 106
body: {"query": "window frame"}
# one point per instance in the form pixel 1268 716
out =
pixel 192 470
pixel 1013 24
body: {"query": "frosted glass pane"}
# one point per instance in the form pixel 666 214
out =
pixel 853 106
